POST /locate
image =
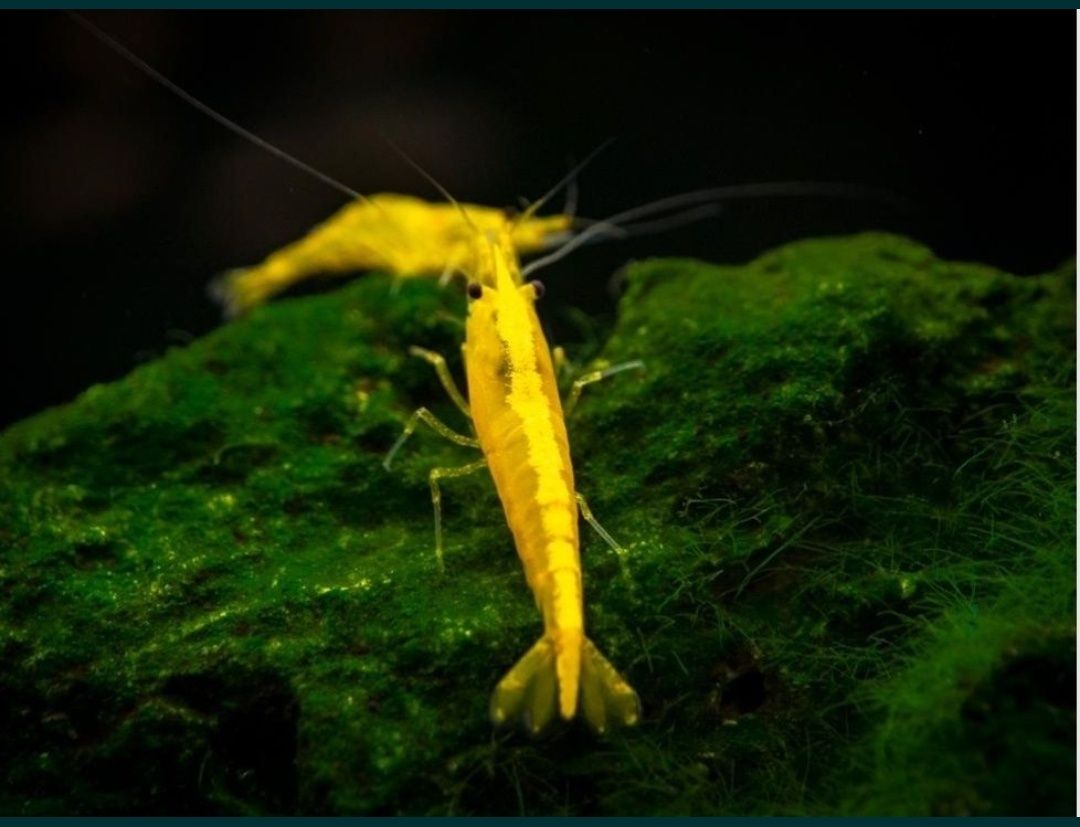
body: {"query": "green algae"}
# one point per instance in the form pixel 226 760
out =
pixel 845 480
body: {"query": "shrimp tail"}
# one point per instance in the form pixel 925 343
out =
pixel 528 692
pixel 606 698
pixel 231 290
pixel 531 690
pixel 243 289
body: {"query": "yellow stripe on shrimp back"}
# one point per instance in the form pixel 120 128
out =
pixel 401 234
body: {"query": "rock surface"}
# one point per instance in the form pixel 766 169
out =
pixel 845 480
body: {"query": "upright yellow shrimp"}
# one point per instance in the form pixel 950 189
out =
pixel 515 408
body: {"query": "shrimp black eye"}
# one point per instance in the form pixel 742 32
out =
pixel 538 287
pixel 475 290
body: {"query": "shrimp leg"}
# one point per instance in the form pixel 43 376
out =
pixel 620 552
pixel 439 363
pixel 596 376
pixel 559 361
pixel 436 498
pixel 433 422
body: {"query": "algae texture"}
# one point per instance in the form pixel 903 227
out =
pixel 845 481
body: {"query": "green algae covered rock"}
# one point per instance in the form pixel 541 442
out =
pixel 845 481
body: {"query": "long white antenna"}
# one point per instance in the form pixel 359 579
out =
pixel 153 73
pixel 443 191
pixel 565 181
pixel 707 201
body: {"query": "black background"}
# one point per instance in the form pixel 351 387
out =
pixel 121 202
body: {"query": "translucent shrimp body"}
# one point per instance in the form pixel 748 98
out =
pixel 514 401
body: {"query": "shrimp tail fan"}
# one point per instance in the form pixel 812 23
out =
pixel 243 289
pixel 532 693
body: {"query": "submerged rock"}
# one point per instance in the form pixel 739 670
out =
pixel 845 480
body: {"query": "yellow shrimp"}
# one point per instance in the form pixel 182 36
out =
pixel 515 403
pixel 400 234
pixel 515 408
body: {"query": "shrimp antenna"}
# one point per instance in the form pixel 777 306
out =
pixel 232 126
pixel 597 231
pixel 565 181
pixel 570 206
pixel 443 191
pixel 772 189
pixel 615 226
pixel 606 231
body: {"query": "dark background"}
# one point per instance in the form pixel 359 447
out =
pixel 121 202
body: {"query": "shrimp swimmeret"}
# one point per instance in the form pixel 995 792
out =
pixel 515 409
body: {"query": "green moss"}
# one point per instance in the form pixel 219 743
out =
pixel 845 479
